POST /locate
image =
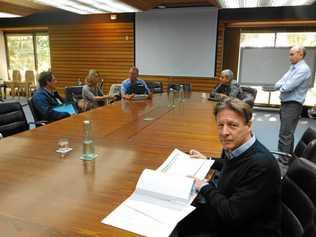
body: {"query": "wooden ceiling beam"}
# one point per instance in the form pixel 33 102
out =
pixel 14 9
pixel 215 3
pixel 142 5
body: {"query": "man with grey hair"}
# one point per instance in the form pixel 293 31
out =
pixel 245 199
pixel 226 87
pixel 293 87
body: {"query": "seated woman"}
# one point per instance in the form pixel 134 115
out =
pixel 92 95
pixel 227 86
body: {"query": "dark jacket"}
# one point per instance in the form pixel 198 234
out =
pixel 44 102
pixel 247 201
pixel 232 90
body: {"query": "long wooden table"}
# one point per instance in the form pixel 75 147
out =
pixel 43 195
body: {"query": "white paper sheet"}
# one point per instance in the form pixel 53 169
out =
pixel 139 218
pixel 180 163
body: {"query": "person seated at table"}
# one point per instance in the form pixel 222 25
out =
pixel 132 85
pixel 46 98
pixel 244 200
pixel 91 92
pixel 227 86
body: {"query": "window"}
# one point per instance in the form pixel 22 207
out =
pixel 279 39
pixel 257 39
pixel 28 52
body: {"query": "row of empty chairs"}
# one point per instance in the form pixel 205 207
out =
pixel 19 87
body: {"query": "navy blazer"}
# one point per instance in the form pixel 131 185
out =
pixel 44 102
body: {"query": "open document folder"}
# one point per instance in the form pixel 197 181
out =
pixel 162 198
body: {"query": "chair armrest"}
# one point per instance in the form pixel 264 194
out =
pixel 38 123
pixel 279 153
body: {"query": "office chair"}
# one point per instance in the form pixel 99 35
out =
pixel 298 200
pixel 115 90
pixel 155 86
pixel 12 119
pixel 73 93
pixel 37 121
pixel 248 95
pixel 285 159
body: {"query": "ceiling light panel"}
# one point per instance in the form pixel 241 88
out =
pixel 89 6
pixel 8 15
pixel 262 3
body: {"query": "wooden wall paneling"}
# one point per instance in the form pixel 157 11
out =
pixel 231 50
pixel 106 47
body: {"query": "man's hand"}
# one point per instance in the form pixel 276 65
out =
pixel 129 97
pixel 198 184
pixel 196 154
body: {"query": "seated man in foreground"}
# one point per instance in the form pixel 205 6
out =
pixel 226 87
pixel 245 198
pixel 132 86
pixel 46 98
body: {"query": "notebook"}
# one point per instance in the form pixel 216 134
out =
pixel 68 108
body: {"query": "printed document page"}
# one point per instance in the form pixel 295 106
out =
pixel 159 202
pixel 180 163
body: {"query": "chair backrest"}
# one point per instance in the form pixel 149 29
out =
pixel 155 86
pixel 299 196
pixel 16 76
pixel 30 77
pixel 115 89
pixel 248 95
pixel 310 151
pixel 12 118
pixel 73 93
pixel 308 136
pixel 34 112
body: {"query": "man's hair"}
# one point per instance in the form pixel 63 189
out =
pixel 44 77
pixel 300 49
pixel 228 73
pixel 236 105
pixel 133 68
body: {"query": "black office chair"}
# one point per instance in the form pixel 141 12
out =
pixel 12 119
pixel 310 151
pixel 155 86
pixel 248 95
pixel 299 198
pixel 37 121
pixel 73 93
pixel 285 159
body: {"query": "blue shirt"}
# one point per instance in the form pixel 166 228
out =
pixel 241 149
pixel 126 87
pixel 294 83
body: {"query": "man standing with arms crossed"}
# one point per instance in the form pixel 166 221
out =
pixel 293 87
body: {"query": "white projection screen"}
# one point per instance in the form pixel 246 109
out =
pixel 176 41
pixel 265 66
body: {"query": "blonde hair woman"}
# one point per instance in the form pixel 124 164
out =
pixel 91 93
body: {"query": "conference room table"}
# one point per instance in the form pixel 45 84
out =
pixel 43 194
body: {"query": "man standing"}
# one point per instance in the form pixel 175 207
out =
pixel 293 87
pixel 132 85
pixel 245 200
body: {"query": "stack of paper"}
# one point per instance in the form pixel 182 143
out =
pixel 162 198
